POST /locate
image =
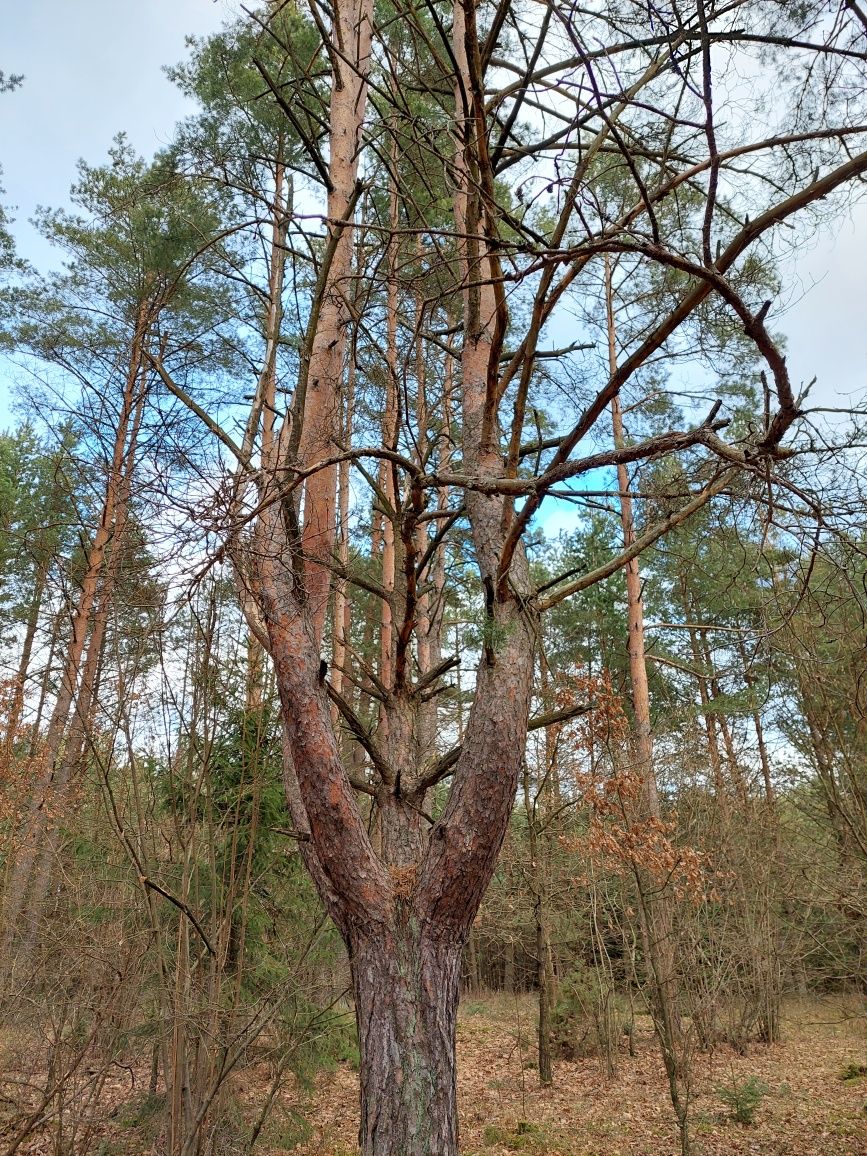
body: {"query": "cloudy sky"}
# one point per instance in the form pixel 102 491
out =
pixel 93 68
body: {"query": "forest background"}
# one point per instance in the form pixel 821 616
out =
pixel 687 843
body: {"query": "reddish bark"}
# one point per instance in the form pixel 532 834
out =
pixel 404 913
pixel 446 874
pixel 352 32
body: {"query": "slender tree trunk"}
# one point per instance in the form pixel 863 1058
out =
pixel 17 707
pixel 509 968
pixel 657 917
pixel 390 421
pixel 352 28
pixel 736 777
pixel 710 728
pixel 342 605
pixel 546 993
pixel 537 847
pixel 46 802
pixel 474 981
pixel 71 758
pixel 263 415
pixel 53 644
pixel 764 760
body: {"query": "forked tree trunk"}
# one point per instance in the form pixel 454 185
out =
pixel 406 979
pixel 406 915
pixel 404 905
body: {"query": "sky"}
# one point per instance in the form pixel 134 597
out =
pixel 826 325
pixel 94 68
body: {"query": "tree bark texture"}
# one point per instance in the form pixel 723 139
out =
pixel 405 980
pixel 352 30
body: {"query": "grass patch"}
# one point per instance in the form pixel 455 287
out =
pixel 143 1113
pixel 475 1008
pixel 523 1137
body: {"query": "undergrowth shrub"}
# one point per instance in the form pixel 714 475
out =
pixel 588 1016
pixel 743 1097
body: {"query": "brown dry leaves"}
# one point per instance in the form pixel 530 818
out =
pixel 809 1110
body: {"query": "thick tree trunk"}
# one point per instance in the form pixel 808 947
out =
pixel 406 979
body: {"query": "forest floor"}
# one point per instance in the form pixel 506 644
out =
pixel 808 1108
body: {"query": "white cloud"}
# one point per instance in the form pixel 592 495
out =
pixel 826 325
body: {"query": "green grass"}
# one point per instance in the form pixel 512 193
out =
pixel 523 1137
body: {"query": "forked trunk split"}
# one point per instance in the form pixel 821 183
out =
pixel 403 892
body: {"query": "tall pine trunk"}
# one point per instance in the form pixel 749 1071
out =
pixel 29 877
pixel 405 904
pixel 656 914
